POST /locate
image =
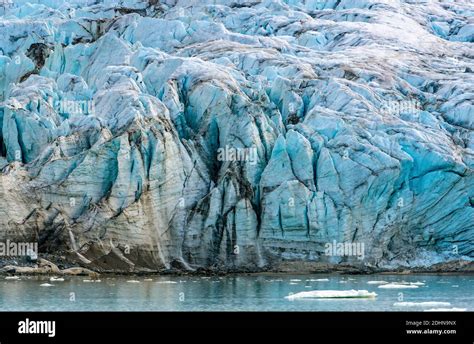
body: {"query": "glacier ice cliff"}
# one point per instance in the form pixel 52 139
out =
pixel 238 134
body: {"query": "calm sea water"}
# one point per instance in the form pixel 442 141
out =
pixel 230 293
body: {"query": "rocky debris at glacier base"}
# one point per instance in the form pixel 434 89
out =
pixel 238 135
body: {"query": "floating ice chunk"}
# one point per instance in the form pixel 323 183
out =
pixel 422 304
pixel 454 309
pixel 295 280
pixel 377 282
pixel 14 278
pixel 56 279
pixel 398 286
pixel 409 283
pixel 166 282
pixel 317 280
pixel 91 281
pixel 332 294
pixel 46 285
pixel 148 280
pixel 133 281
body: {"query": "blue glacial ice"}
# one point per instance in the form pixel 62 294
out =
pixel 359 115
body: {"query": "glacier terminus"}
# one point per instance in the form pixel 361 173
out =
pixel 239 135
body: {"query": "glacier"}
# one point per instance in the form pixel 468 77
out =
pixel 358 116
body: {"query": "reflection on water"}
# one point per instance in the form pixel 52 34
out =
pixel 233 293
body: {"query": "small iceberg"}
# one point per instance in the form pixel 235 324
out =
pixel 91 281
pixel 398 286
pixel 168 282
pixel 46 285
pixel 422 304
pixel 133 281
pixel 147 280
pixel 13 278
pixel 295 280
pixel 318 280
pixel 446 310
pixel 58 279
pixel 377 282
pixel 332 294
pixel 416 283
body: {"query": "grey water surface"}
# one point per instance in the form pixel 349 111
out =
pixel 231 293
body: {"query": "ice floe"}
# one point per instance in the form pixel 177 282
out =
pixel 446 310
pixel 166 282
pixel 332 294
pixel 422 304
pixel 398 286
pixel 416 283
pixel 377 282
